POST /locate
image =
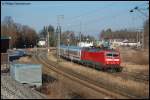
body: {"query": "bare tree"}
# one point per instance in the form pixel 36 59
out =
pixel 119 34
pixel 52 36
pixel 146 33
pixel 20 34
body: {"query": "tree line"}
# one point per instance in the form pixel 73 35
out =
pixel 119 34
pixel 131 35
pixel 22 36
pixel 66 37
pixel 71 38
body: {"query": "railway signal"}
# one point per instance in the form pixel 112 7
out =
pixel 47 38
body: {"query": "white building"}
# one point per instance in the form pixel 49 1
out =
pixel 125 42
pixel 42 43
pixel 85 44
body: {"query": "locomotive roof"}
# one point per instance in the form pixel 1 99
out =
pixel 97 49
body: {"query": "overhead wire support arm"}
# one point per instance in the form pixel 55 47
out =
pixel 58 31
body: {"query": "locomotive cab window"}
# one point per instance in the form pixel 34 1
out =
pixel 109 54
pixel 112 55
pixel 115 55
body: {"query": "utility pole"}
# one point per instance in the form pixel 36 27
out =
pixel 47 38
pixel 80 32
pixel 58 30
pixel 137 37
pixel 144 14
pixel 58 42
pixel 36 47
pixel 68 40
pixel 143 39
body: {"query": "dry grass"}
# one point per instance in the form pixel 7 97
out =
pixel 77 90
pixel 130 67
pixel 135 60
pixel 134 87
pixel 128 85
pixel 26 59
pixel 135 56
pixel 65 88
pixel 55 90
pixel 59 88
pixel 52 87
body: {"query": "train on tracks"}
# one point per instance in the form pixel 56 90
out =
pixel 103 59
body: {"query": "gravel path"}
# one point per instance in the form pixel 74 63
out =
pixel 10 89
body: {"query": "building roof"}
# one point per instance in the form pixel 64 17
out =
pixel 26 66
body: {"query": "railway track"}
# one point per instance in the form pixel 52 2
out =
pixel 133 76
pixel 116 93
pixel 11 91
pixel 79 80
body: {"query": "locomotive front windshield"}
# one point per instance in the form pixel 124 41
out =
pixel 109 55
pixel 115 55
pixel 112 55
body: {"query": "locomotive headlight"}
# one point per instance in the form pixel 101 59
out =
pixel 116 59
pixel 109 59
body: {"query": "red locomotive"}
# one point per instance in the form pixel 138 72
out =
pixel 105 59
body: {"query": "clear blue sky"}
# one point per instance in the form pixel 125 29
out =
pixel 94 15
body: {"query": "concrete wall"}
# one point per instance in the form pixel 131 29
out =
pixel 27 73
